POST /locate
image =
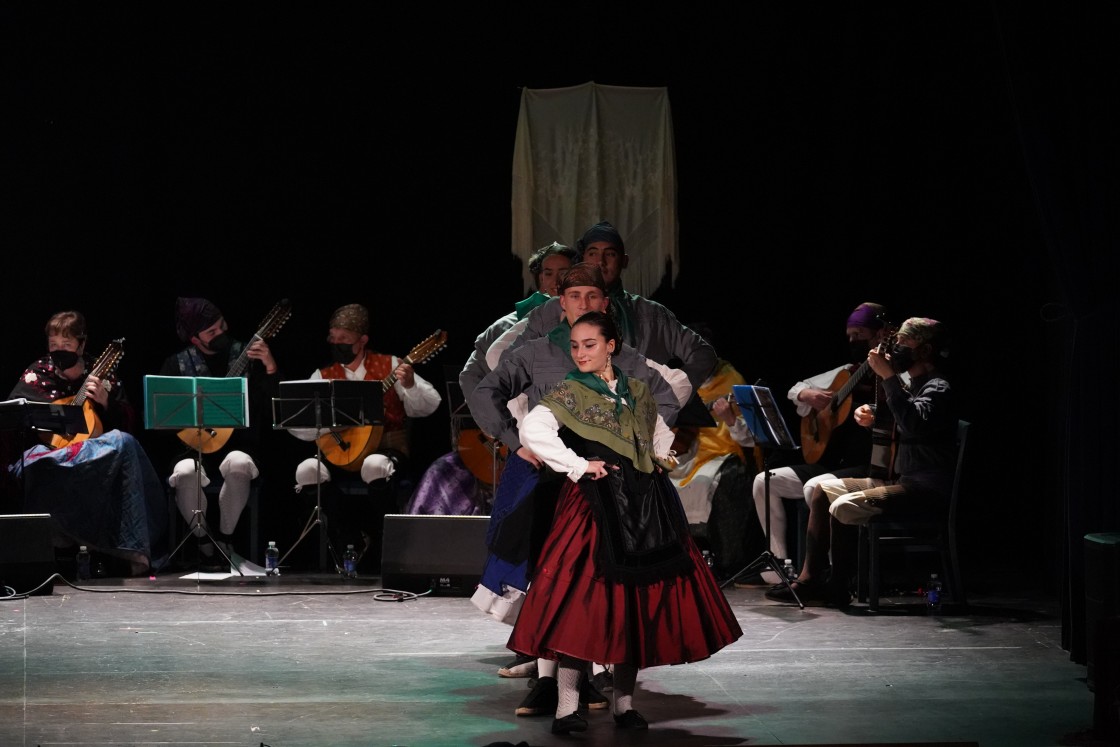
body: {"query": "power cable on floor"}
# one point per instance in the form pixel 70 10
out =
pixel 379 594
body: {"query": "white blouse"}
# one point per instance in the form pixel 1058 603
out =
pixel 540 432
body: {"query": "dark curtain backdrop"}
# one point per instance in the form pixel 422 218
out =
pixel 1063 88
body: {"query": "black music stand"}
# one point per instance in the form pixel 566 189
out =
pixel 22 413
pixel 771 434
pixel 202 403
pixel 332 404
pixel 46 417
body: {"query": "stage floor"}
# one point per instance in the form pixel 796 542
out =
pixel 311 659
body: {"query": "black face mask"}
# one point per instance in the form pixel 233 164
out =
pixel 220 343
pixel 857 350
pixel 902 357
pixel 342 352
pixel 64 359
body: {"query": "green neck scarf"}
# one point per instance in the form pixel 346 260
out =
pixel 621 395
pixel 627 431
pixel 561 337
pixel 525 306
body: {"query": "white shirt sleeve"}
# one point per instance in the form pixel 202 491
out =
pixel 422 399
pixel 676 378
pixel 662 438
pixel 540 433
pixel 741 433
pixel 494 352
pixel 820 381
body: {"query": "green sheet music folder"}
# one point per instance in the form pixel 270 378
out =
pixel 196 402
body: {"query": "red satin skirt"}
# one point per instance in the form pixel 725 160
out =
pixel 571 610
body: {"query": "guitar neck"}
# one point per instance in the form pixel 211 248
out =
pixel 388 381
pixel 237 368
pixel 80 397
pixel 845 391
pixel 102 367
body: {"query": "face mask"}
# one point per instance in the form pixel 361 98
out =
pixel 857 351
pixel 64 359
pixel 902 357
pixel 342 352
pixel 220 344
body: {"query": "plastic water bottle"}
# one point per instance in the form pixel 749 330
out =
pixel 82 561
pixel 933 594
pixel 787 569
pixel 272 559
pixel 350 563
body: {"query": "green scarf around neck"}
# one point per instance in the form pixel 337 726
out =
pixel 561 337
pixel 627 431
pixel 526 305
pixel 621 395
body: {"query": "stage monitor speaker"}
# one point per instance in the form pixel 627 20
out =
pixel 27 553
pixel 1102 592
pixel 441 554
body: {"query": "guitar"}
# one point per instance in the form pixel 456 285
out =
pixel 347 448
pixel 485 457
pixel 209 440
pixel 817 426
pixel 105 364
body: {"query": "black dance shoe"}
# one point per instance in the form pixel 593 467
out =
pixel 542 699
pixel 568 724
pixel 630 720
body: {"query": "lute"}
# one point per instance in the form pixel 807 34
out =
pixel 102 368
pixel 209 440
pixel 347 448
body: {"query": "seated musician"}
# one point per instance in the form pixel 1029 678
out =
pixel 379 454
pixel 99 487
pixel 715 467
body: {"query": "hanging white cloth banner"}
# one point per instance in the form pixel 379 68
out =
pixel 590 153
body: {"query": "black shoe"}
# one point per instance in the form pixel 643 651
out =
pixel 542 699
pixel 591 697
pixel 630 720
pixel 568 724
pixel 604 681
pixel 806 591
pixel 813 594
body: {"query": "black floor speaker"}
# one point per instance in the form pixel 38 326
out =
pixel 27 553
pixel 1102 593
pixel 441 554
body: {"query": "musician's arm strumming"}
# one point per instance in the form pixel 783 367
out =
pixel 420 398
pixel 813 393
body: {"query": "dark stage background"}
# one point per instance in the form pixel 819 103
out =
pixel 826 156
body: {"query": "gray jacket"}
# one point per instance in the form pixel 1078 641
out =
pixel 657 335
pixel 534 369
